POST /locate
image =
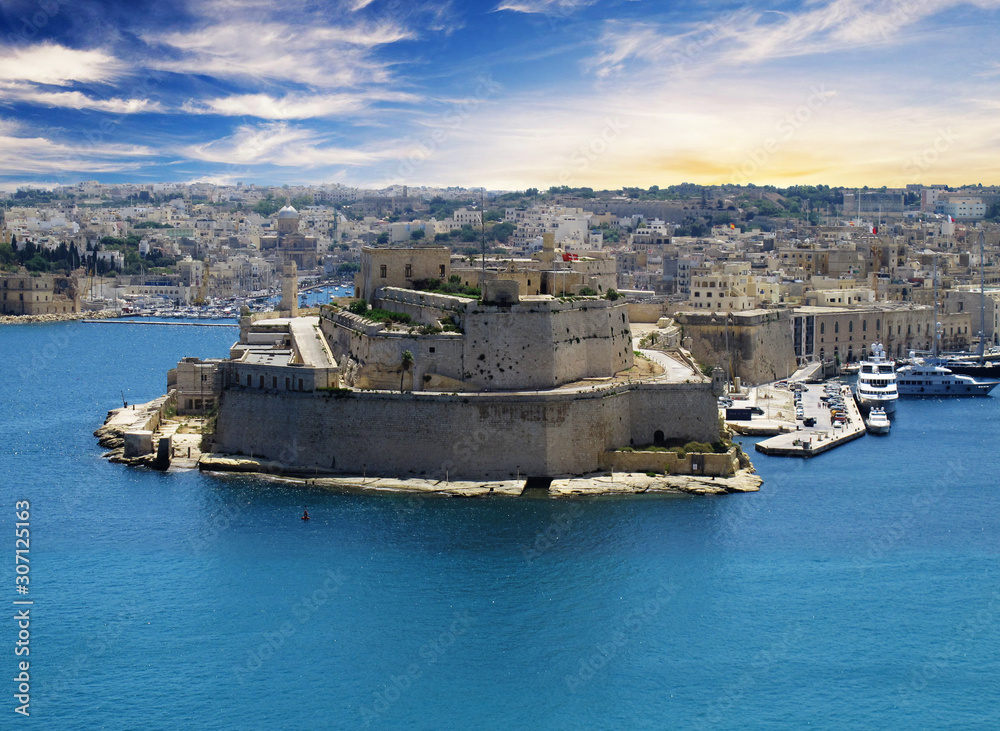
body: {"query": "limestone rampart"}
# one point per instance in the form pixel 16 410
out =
pixel 710 464
pixel 538 344
pixel 427 308
pixel 475 435
pixel 758 343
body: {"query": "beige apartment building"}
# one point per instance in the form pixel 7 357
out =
pixel 836 333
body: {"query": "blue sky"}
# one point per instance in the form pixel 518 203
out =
pixel 507 94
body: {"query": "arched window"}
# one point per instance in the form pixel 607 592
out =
pixel 836 327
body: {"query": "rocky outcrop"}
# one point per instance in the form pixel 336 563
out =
pixel 617 484
pixel 139 417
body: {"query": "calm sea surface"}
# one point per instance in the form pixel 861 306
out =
pixel 856 590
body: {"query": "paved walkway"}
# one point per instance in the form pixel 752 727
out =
pixel 310 342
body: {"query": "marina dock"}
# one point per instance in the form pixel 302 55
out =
pixel 138 321
pixel 825 435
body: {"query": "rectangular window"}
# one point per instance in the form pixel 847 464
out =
pixel 381 270
pixel 409 271
pixel 442 271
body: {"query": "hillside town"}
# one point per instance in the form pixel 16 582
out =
pixel 758 280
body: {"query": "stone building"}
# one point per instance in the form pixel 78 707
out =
pixel 289 243
pixel 846 334
pixel 26 293
pixel 400 268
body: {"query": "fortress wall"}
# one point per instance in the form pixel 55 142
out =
pixel 425 308
pixel 760 344
pixel 543 344
pixel 371 358
pixel 417 435
pixel 480 436
pixel 682 411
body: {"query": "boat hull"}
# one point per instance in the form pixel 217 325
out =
pixel 981 388
pixel 866 404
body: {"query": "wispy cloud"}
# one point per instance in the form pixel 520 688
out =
pixel 544 7
pixel 322 56
pixel 278 143
pixel 21 153
pixel 294 106
pixel 54 64
pixel 751 35
pixel 10 93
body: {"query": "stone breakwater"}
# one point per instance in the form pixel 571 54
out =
pixel 63 317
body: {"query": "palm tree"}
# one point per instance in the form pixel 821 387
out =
pixel 406 362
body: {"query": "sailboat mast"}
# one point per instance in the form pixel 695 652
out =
pixel 934 351
pixel 982 296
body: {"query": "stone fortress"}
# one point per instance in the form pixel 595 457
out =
pixel 507 385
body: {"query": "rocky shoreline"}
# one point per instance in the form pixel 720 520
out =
pixel 62 317
pixel 745 480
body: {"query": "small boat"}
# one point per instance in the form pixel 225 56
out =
pixel 877 422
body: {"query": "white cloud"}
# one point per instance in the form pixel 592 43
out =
pixel 754 36
pixel 544 7
pixel 792 132
pixel 322 56
pixel 75 100
pixel 278 143
pixel 293 106
pixel 21 153
pixel 53 64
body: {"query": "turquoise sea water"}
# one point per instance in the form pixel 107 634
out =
pixel 855 590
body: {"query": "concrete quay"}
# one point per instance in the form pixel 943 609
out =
pixel 810 441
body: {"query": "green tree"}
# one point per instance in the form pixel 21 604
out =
pixel 36 264
pixel 7 255
pixel 360 307
pixel 418 234
pixel 268 207
pixel 406 362
pixel 383 238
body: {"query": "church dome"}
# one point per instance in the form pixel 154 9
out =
pixel 288 212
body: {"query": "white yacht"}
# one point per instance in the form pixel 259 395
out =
pixel 876 385
pixel 877 422
pixel 933 379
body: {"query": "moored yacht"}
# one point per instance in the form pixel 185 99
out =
pixel 933 379
pixel 876 385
